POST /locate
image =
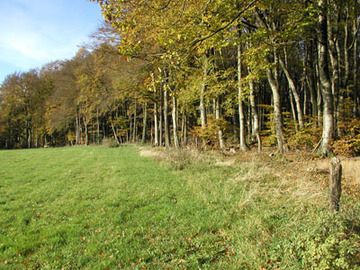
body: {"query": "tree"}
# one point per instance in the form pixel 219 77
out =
pixel 22 109
pixel 182 70
pixel 328 115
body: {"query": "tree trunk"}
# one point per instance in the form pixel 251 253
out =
pixel 328 114
pixel 97 127
pixel 161 116
pixel 243 146
pixel 184 129
pixel 36 139
pixel 135 122
pixel 217 117
pixel 77 126
pixel 130 133
pixel 346 48
pixel 175 122
pixel 293 111
pixel 355 70
pixel 255 118
pixel 114 131
pixel 310 69
pixel 28 135
pixel 319 95
pixel 310 84
pixel 334 59
pixel 334 54
pixel 145 115
pixel 303 89
pixel 156 121
pixel 166 117
pixel 294 92
pixel 202 93
pixel 86 131
pixel 156 124
pixel 274 85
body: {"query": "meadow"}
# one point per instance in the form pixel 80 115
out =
pixel 138 208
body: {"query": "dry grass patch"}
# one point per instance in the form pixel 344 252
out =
pixel 351 168
pixel 228 162
pixel 254 171
pixel 297 176
pixel 146 151
pixel 290 176
pixel 177 159
pixel 306 189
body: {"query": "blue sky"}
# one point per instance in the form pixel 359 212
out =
pixel 36 32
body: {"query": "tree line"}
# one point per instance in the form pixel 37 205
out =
pixel 205 72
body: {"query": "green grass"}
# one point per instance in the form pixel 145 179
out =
pixel 110 208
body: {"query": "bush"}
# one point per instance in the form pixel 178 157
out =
pixel 268 138
pixel 304 140
pixel 210 135
pixel 334 243
pixel 347 146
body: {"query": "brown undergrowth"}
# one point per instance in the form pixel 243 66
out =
pixel 300 174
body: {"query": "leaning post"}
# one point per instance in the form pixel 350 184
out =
pixel 335 184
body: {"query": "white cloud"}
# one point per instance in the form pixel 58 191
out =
pixel 35 32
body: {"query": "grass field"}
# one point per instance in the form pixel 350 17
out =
pixel 110 208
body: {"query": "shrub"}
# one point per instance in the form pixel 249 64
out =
pixel 304 140
pixel 347 146
pixel 334 243
pixel 210 135
pixel 268 138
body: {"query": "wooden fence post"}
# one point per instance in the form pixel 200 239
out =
pixel 335 184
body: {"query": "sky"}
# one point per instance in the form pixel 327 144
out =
pixel 36 32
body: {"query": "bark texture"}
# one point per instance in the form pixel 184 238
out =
pixel 328 111
pixel 243 146
pixel 335 184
